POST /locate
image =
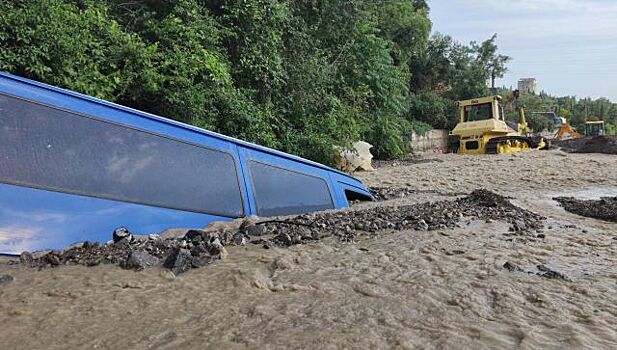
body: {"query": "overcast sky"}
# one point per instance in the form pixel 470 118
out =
pixel 569 46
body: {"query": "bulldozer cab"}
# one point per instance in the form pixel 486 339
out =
pixel 482 128
pixel 481 109
pixel 594 128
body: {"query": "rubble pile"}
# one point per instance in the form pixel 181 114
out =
pixel 198 248
pixel 595 144
pixel 604 208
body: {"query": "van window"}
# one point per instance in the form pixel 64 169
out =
pixel 48 148
pixel 283 192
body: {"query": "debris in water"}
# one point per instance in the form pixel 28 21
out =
pixel 512 267
pixel 552 274
pixel 5 279
pixel 605 208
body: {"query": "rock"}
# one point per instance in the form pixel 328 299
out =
pixel 199 250
pixel 26 258
pixel 283 239
pixel 297 239
pixel 217 249
pixel 422 225
pixel 255 230
pixel 178 261
pixel 239 239
pixel 52 259
pixel 140 260
pixel 201 261
pixel 552 274
pixel 153 237
pixel 121 233
pixel 124 242
pixel 195 235
pixel 512 267
pixel 5 279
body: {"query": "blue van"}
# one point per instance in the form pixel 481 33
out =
pixel 73 168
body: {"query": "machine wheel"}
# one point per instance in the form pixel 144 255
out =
pixel 509 144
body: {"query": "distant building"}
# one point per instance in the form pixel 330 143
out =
pixel 527 85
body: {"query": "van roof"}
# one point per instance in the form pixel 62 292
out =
pixel 171 122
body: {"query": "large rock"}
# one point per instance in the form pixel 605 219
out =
pixel 26 258
pixel 178 261
pixel 140 260
pixel 122 233
pixel 359 157
pixel 216 248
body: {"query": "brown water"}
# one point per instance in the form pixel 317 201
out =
pixel 400 290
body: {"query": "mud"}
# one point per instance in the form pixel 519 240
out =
pixel 389 193
pixel 596 144
pixel 439 288
pixel 411 160
pixel 605 208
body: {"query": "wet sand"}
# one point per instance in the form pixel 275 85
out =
pixel 400 290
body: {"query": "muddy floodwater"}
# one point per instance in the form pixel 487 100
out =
pixel 477 286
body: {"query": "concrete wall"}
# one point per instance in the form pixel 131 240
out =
pixel 435 140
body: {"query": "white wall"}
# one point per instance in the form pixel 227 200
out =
pixel 434 140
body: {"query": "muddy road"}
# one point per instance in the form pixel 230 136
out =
pixel 480 283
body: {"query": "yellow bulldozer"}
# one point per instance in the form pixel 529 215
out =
pixel 482 128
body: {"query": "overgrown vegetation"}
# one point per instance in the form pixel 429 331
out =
pixel 300 76
pixel 575 111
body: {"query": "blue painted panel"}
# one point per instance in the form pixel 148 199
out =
pixel 342 183
pixel 33 219
pixel 71 100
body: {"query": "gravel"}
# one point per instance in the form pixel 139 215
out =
pixel 198 248
pixel 604 209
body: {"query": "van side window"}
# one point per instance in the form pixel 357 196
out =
pixel 52 149
pixel 283 192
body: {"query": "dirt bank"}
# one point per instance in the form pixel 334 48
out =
pixel 481 283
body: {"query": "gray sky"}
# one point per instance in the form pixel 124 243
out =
pixel 569 46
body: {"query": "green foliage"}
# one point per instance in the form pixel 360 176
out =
pixel 610 129
pixel 432 109
pixel 575 111
pixel 492 63
pixel 79 48
pixel 300 76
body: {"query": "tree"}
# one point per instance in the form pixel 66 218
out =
pixel 493 64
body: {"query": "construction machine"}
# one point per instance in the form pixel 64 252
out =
pixel 482 128
pixel 566 132
pixel 594 128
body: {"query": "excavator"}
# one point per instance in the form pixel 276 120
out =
pixel 566 132
pixel 592 128
pixel 482 128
